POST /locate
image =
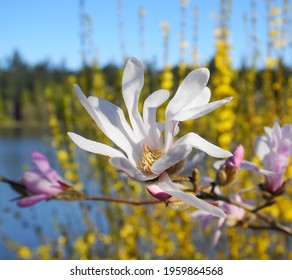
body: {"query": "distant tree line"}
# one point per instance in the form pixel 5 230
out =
pixel 22 85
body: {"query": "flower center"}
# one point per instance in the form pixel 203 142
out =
pixel 149 157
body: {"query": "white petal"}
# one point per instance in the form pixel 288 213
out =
pixel 200 143
pixel 200 100
pixel 193 161
pixel 170 132
pixel 191 87
pixel 111 120
pixel 116 128
pixel 149 115
pixel 126 166
pixel 169 187
pixel 132 84
pixel 217 164
pixel 94 147
pixel 84 101
pixel 200 111
pixel 261 147
pixel 172 157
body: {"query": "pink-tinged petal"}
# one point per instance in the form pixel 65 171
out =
pixel 151 103
pixel 157 192
pixel 203 216
pixel 126 166
pixel 190 88
pixel 200 111
pixel 247 165
pixel 237 158
pixel 269 132
pixel 287 132
pixel 200 143
pixel 31 200
pixel 171 158
pixel 220 222
pixel 216 237
pixel 116 127
pixel 132 84
pixel 43 165
pixel 94 147
pixel 169 187
pixel 35 183
pixel 274 181
pixel 277 131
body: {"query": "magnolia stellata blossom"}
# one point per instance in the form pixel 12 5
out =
pixel 41 182
pixel 141 151
pixel 274 151
pixel 234 215
pixel 227 170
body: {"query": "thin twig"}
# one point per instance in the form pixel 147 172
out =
pixel 122 200
pixel 267 219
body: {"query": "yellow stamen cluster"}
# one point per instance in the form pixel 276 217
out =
pixel 149 157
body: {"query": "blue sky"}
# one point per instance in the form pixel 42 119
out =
pixel 50 29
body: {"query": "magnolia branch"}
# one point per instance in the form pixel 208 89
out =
pixel 123 200
pixel 274 225
pixel 72 195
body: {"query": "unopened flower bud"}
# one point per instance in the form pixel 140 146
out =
pixel 157 192
pixel 237 158
pixel 228 171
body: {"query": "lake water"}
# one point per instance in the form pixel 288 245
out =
pixel 43 222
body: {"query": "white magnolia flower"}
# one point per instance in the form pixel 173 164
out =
pixel 141 151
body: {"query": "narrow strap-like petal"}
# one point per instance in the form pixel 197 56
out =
pixel 200 143
pixel 88 107
pixel 43 165
pixel 111 120
pixel 126 166
pixel 169 187
pixel 31 200
pixel 261 147
pixel 36 183
pixel 247 165
pixel 132 84
pixel 171 158
pixel 116 128
pixel 200 100
pixel 94 147
pixel 149 115
pixel 171 127
pixel 197 112
pixel 216 237
pixel 191 87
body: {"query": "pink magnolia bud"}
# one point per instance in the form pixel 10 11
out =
pixel 41 181
pixel 228 171
pixel 237 158
pixel 157 192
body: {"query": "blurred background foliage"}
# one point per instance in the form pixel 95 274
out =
pixel 42 96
